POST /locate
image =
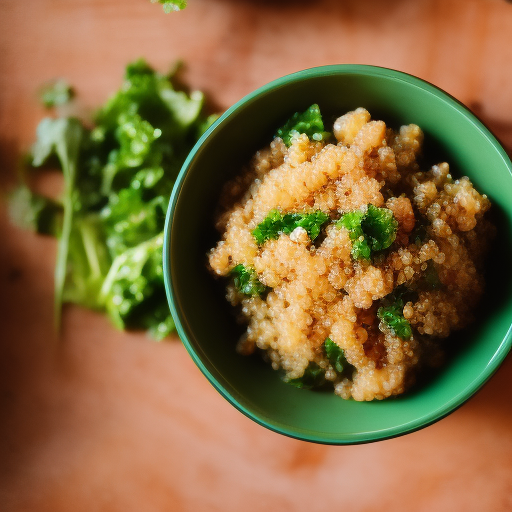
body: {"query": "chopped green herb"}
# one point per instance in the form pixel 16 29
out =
pixel 276 223
pixel 373 230
pixel 391 312
pixel 313 377
pixel 309 122
pixel 63 138
pixel 56 93
pixel 118 177
pixel 172 5
pixel 133 290
pixel 246 280
pixel 393 317
pixel 379 226
pixel 335 355
pixel 352 222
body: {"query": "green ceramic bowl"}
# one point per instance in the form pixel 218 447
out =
pixel 205 322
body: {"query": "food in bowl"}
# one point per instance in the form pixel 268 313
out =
pixel 349 260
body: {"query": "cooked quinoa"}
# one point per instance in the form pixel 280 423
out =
pixel 328 298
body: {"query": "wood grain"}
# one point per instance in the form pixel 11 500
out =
pixel 103 420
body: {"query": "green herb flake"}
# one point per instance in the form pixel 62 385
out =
pixel 56 93
pixel 276 223
pixel 309 122
pixel 335 355
pixel 370 231
pixel 379 227
pixel 246 280
pixel 393 317
pixel 391 311
pixel 313 377
pixel 171 5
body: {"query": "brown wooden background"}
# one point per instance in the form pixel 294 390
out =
pixel 104 420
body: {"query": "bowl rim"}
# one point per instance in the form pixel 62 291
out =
pixel 343 439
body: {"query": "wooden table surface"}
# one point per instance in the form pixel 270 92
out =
pixel 104 420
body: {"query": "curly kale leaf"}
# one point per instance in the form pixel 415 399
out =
pixel 335 355
pixel 313 377
pixel 246 280
pixel 133 290
pixel 379 227
pixel 351 221
pixel 276 223
pixel 370 231
pixel 391 311
pixel 393 317
pixel 309 122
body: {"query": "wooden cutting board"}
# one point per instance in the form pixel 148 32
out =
pixel 104 420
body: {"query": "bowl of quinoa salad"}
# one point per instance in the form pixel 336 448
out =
pixel 336 254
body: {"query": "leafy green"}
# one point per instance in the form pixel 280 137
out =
pixel 313 377
pixel 246 280
pixel 309 122
pixel 379 227
pixel 63 138
pixel 393 317
pixel 172 5
pixel 134 285
pixel 391 312
pixel 276 223
pixel 34 211
pixel 352 222
pixel 88 262
pixel 56 93
pixel 118 176
pixel 370 231
pixel 335 355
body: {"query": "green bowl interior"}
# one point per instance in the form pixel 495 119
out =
pixel 205 323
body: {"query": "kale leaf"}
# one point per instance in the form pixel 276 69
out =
pixel 391 311
pixel 335 355
pixel 246 280
pixel 56 93
pixel 276 223
pixel 370 231
pixel 309 122
pixel 393 317
pixel 313 377
pixel 379 227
